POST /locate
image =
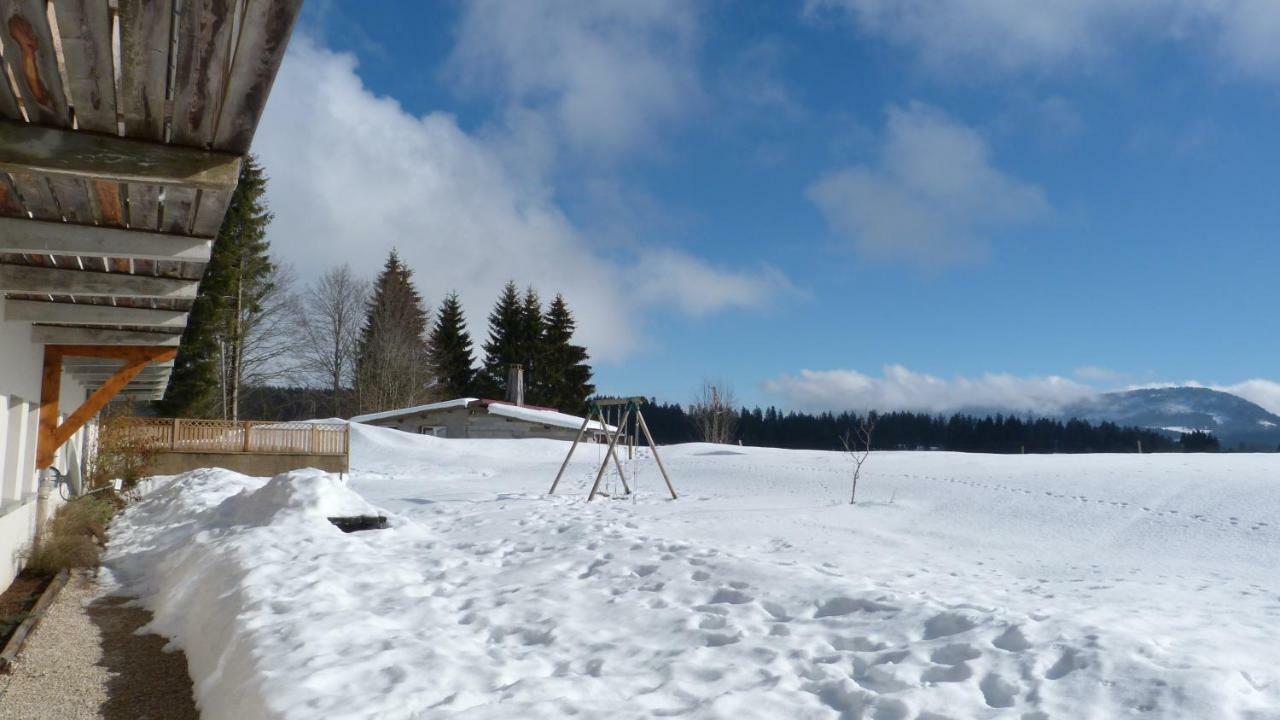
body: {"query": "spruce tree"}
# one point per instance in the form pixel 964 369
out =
pixel 450 347
pixel 392 358
pixel 238 280
pixel 530 347
pixel 563 369
pixel 503 346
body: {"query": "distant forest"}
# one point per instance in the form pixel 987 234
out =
pixel 671 423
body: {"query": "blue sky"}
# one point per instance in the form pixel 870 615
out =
pixel 834 203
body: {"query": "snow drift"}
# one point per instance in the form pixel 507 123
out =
pixel 1020 587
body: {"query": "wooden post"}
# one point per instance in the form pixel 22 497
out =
pixel 653 446
pixel 50 390
pixel 173 439
pixel 245 429
pixel 564 465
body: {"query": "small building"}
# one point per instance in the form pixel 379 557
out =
pixel 477 418
pixel 488 419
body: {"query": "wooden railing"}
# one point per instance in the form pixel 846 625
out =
pixel 246 436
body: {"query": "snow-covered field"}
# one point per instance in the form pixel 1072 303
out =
pixel 962 586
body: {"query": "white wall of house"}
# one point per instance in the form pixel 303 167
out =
pixel 20 370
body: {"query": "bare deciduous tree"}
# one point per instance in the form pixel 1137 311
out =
pixel 858 449
pixel 715 413
pixel 257 337
pixel 333 308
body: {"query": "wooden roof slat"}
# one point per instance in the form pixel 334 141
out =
pixel 10 204
pixel 36 196
pixel 72 195
pixel 144 206
pixel 85 30
pixel 144 60
pixel 57 238
pixel 264 35
pixel 179 204
pixel 210 210
pixel 8 103
pixel 30 53
pixel 108 210
pixel 51 151
pixel 203 48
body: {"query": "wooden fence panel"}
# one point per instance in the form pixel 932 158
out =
pixel 219 436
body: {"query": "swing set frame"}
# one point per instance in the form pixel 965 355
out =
pixel 596 410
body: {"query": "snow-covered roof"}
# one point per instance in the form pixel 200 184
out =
pixel 545 416
pixel 527 413
pixel 385 414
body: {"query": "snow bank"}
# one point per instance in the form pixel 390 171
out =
pixel 228 565
pixel 964 586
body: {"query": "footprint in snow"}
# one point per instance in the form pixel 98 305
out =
pixel 997 691
pixel 946 624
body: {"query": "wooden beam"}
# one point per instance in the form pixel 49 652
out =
pixel 152 371
pixel 62 281
pixel 144 378
pixel 73 153
pixel 55 335
pixel 71 364
pixel 95 402
pixel 115 352
pixel 53 435
pixel 84 314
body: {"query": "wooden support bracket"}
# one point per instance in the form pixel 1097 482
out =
pixel 52 434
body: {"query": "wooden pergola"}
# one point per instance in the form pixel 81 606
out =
pixel 122 128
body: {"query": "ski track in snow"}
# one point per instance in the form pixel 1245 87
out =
pixel 1027 588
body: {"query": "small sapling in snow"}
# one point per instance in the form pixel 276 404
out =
pixel 858 449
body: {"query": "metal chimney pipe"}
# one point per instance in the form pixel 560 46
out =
pixel 515 384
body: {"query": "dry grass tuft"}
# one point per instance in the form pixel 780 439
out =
pixel 74 537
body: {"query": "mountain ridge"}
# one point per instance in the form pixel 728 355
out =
pixel 1237 422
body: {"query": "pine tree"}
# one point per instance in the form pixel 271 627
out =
pixel 392 360
pixel 565 374
pixel 450 348
pixel 503 347
pixel 239 287
pixel 530 347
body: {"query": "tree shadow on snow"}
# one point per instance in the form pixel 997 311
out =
pixel 145 681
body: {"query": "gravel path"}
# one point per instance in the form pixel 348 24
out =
pixel 84 662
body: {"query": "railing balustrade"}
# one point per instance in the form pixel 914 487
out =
pixel 244 436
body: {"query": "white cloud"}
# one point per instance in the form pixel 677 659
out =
pixel 1053 35
pixel 353 175
pixel 1263 393
pixel 901 389
pixel 607 72
pixel 932 197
